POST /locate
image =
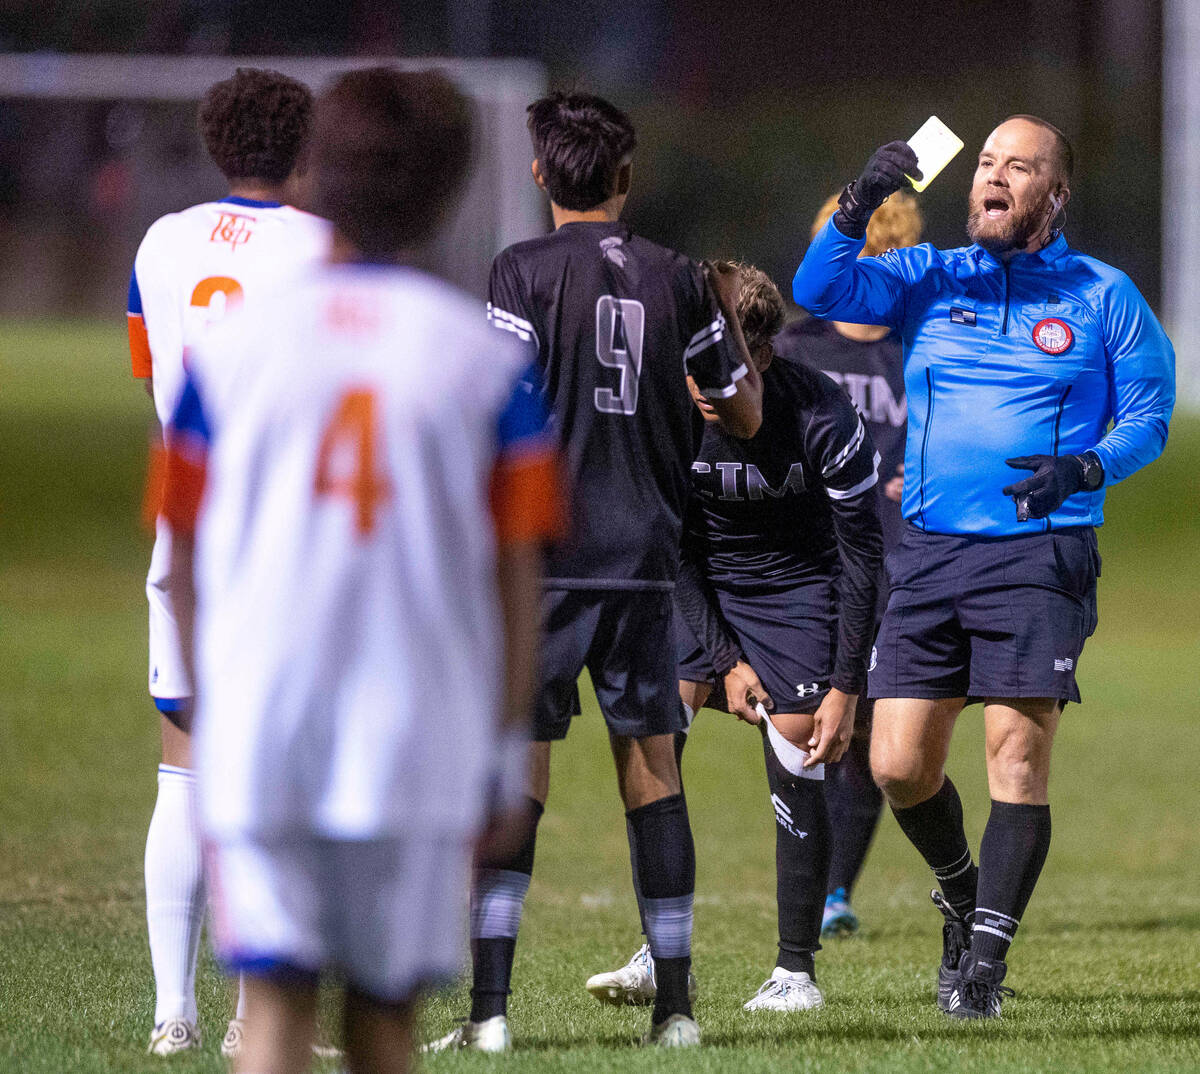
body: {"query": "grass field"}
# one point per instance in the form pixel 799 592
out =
pixel 1107 965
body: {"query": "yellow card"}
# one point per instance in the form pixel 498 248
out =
pixel 935 145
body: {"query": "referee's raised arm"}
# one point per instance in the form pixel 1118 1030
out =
pixel 832 281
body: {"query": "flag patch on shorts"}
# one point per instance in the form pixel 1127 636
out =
pixel 1064 665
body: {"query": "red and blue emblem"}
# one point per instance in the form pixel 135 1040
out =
pixel 1053 336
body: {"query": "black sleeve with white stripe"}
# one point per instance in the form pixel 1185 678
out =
pixel 711 356
pixel 507 307
pixel 842 447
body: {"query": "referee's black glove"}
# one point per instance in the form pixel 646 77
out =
pixel 886 172
pixel 1055 478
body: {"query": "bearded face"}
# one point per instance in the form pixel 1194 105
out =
pixel 997 223
pixel 1010 205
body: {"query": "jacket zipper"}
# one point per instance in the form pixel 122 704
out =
pixel 1058 413
pixel 1004 324
pixel 925 440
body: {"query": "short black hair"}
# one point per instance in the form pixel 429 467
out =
pixel 580 142
pixel 1062 146
pixel 391 153
pixel 256 124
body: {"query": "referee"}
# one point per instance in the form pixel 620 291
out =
pixel 1018 354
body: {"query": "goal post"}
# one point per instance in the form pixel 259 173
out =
pixel 102 145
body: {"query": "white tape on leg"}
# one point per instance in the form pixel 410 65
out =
pixel 791 756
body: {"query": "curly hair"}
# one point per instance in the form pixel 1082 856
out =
pixel 580 142
pixel 895 224
pixel 391 154
pixel 256 124
pixel 760 309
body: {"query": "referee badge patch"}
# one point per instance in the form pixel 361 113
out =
pixel 1053 336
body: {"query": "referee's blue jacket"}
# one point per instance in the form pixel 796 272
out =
pixel 1036 356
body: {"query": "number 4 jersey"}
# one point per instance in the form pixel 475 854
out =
pixel 617 322
pixel 354 452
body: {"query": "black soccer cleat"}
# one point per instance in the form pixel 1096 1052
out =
pixel 977 992
pixel 956 938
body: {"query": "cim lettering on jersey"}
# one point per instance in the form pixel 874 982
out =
pixel 873 397
pixel 744 481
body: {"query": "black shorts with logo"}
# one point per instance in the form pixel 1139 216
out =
pixel 983 617
pixel 625 640
pixel 788 633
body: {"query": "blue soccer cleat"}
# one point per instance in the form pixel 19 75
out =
pixel 839 918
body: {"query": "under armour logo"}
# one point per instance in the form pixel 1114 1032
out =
pixel 807 689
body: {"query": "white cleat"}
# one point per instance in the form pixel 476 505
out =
pixel 784 991
pixel 491 1035
pixel 174 1035
pixel 634 984
pixel 675 1031
pixel 231 1043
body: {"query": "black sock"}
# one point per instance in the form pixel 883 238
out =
pixel 1011 856
pixel 802 848
pixel 935 828
pixel 497 898
pixel 631 835
pixel 666 872
pixel 855 803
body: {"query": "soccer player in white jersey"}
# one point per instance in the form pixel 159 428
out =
pixel 368 470
pixel 191 268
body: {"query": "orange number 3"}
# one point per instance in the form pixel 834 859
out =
pixel 346 461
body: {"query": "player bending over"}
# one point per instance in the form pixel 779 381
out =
pixel 866 360
pixel 776 602
pixel 350 575
pixel 191 268
pixel 615 319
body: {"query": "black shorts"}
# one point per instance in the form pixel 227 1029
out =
pixel 986 617
pixel 624 638
pixel 789 636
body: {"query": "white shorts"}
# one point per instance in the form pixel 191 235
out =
pixel 389 915
pixel 168 677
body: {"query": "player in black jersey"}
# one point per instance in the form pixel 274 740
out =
pixel 776 594
pixel 866 361
pixel 615 320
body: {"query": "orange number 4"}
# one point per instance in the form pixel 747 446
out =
pixel 346 462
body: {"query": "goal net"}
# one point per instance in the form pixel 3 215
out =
pixel 94 148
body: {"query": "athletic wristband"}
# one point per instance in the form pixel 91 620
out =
pixel 852 216
pixel 510 779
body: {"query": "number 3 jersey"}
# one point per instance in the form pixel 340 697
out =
pixel 354 452
pixel 618 321
pixel 195 265
pixel 191 268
